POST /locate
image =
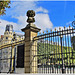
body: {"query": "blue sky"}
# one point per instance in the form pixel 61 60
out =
pixel 49 14
pixel 60 12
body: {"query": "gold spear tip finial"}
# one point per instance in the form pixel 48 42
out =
pixel 69 26
pixel 64 27
pixel 14 32
pixel 51 30
pixel 47 31
pixel 43 32
pixel 55 29
pixel 59 28
pixel 39 32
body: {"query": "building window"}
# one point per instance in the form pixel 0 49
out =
pixel 6 37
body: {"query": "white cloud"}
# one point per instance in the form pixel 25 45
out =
pixel 18 10
pixel 40 9
pixel 68 23
pixel 43 21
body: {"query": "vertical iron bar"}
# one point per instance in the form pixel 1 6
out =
pixel 70 51
pixel 39 57
pixel 42 56
pixel 64 39
pixel 63 69
pixel 43 69
pixel 47 54
pixel 68 47
pixel 73 52
pixel 53 56
pixel 15 59
pixel 66 52
pixel 50 53
pixel 43 43
pixel 56 52
pixel 63 51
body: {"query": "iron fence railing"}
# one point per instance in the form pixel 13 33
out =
pixel 7 60
pixel 56 49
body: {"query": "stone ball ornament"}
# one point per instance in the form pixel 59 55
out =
pixel 30 14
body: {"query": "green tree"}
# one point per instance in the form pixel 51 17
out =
pixel 4 4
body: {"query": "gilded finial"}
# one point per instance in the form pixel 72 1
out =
pixel 55 29
pixel 40 33
pixel 14 32
pixel 43 32
pixel 69 26
pixel 51 30
pixel 47 31
pixel 64 27
pixel 59 28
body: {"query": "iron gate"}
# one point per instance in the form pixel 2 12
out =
pixel 12 59
pixel 56 51
pixel 7 60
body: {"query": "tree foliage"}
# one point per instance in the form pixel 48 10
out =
pixel 45 53
pixel 4 4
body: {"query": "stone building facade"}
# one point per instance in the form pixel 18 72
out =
pixel 8 37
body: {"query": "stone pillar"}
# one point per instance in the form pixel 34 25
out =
pixel 30 62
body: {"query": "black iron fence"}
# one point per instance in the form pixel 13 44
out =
pixel 7 60
pixel 56 51
pixel 12 59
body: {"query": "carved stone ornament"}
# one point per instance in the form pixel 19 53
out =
pixel 30 14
